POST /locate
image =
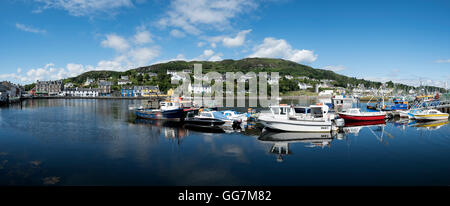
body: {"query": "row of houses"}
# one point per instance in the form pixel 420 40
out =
pixel 10 91
pixel 139 91
pixel 57 88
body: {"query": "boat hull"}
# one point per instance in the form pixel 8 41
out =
pixel 431 117
pixel 297 125
pixel 362 118
pixel 176 114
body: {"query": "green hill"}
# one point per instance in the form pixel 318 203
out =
pixel 284 67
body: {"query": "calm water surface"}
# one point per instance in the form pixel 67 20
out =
pixel 99 142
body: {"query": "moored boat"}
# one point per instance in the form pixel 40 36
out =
pixel 210 120
pixel 167 110
pixel 291 119
pixel 430 114
pixel 355 114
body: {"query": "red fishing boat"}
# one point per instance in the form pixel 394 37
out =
pixel 355 114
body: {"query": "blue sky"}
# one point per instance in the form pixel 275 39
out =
pixel 403 41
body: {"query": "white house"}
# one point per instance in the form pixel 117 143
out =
pixel 89 82
pixel 80 92
pixel 304 86
pixel 198 88
pixel 68 85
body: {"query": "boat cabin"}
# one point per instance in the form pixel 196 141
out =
pixel 342 102
pixel 282 109
pixel 169 105
pixel 319 111
pixel 316 111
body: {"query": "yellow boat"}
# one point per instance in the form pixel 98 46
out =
pixel 431 114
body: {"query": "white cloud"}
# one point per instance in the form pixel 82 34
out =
pixel 115 42
pixel 208 52
pixel 204 56
pixel 29 29
pixel 334 68
pixel 236 41
pixel 142 37
pixel 19 70
pixel 217 57
pixel 200 44
pixel 279 48
pixel 443 61
pixel 142 56
pixel 177 33
pixel 190 14
pixel 84 7
pixel 213 45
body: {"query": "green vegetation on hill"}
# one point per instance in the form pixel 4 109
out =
pixel 283 67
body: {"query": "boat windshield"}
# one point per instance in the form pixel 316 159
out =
pixel 301 110
pixel 205 114
pixel 219 115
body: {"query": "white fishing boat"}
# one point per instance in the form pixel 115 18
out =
pixel 291 119
pixel 431 114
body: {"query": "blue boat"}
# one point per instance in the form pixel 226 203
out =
pixel 398 104
pixel 168 111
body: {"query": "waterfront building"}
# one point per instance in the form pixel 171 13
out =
pixel 104 88
pixel 13 90
pixel 86 92
pixel 80 92
pixel 199 88
pixel 145 91
pixel 3 94
pixel 127 92
pixel 49 88
pixel 151 90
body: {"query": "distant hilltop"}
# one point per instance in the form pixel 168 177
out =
pixel 292 75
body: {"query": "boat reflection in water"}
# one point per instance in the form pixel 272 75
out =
pixel 282 140
pixel 430 125
pixel 355 127
pixel 171 130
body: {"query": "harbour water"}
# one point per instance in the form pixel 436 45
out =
pixel 99 142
